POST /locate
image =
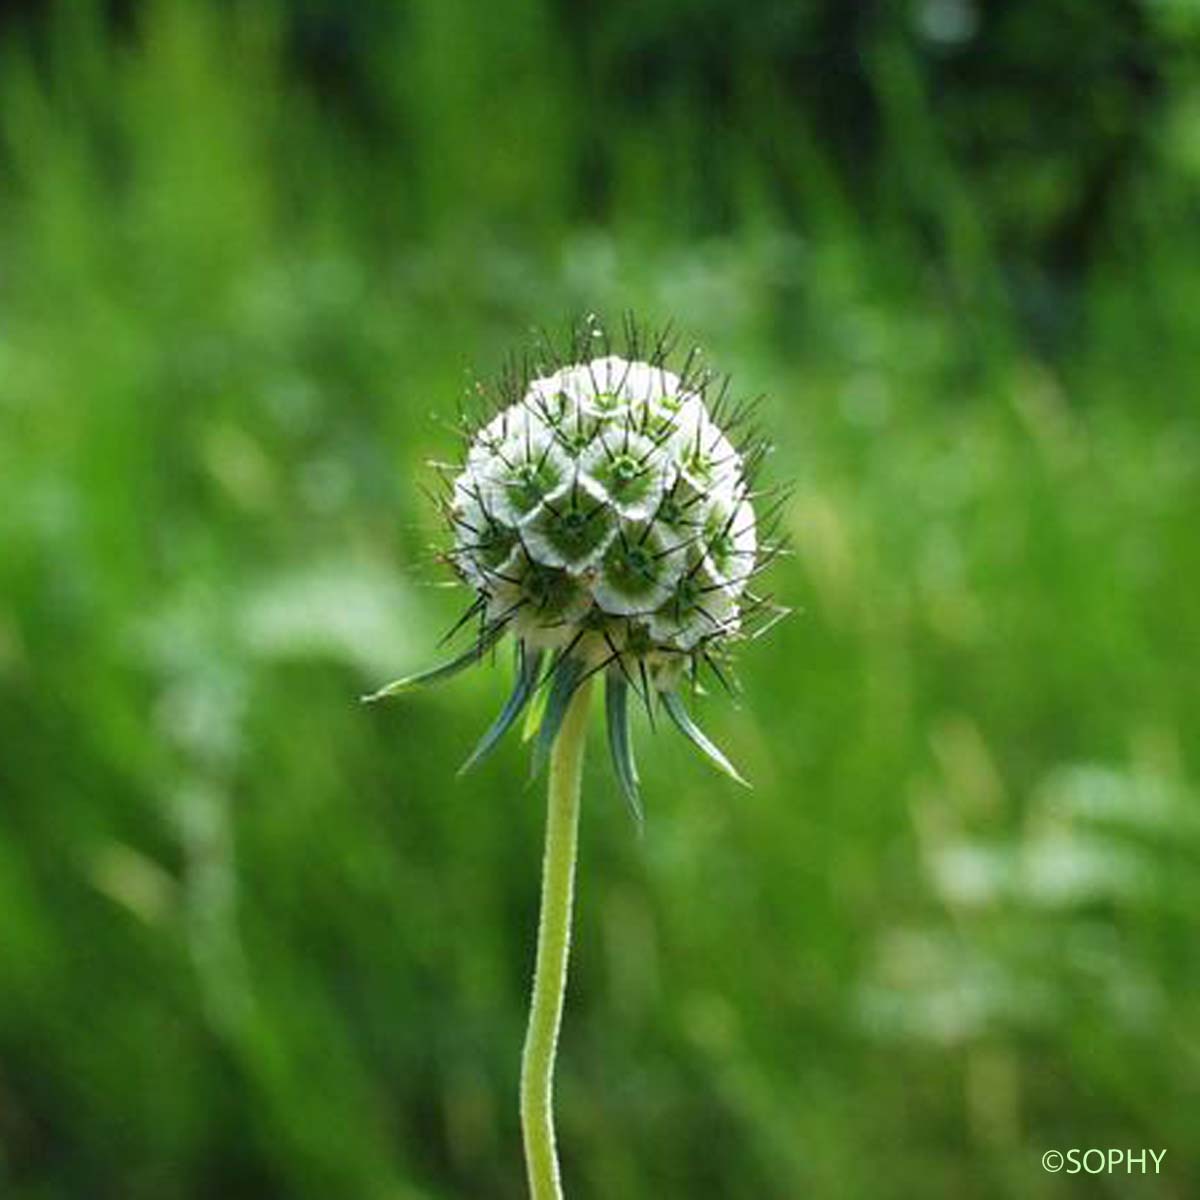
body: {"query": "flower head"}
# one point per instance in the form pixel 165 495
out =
pixel 604 515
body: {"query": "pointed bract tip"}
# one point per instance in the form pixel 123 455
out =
pixel 386 692
pixel 694 734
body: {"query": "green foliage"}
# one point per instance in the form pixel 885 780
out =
pixel 257 939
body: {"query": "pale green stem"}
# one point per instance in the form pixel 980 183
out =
pixel 553 946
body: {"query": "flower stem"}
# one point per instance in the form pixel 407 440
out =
pixel 553 946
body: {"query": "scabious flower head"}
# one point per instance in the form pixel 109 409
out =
pixel 604 516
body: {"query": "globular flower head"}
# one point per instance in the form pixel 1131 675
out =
pixel 604 514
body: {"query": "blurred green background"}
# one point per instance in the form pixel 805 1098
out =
pixel 257 940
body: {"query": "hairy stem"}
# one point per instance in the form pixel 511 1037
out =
pixel 553 946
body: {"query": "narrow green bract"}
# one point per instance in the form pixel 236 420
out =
pixel 616 698
pixel 528 667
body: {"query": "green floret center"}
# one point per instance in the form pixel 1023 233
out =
pixel 670 513
pixel 721 550
pixel 657 425
pixel 551 592
pixel 576 440
pixel 576 527
pixel 699 464
pixel 685 599
pixel 632 568
pixel 530 482
pixel 495 544
pixel 625 468
pixel 573 525
pixel 627 479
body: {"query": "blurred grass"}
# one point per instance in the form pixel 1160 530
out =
pixel 256 939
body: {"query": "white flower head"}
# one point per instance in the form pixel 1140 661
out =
pixel 614 472
pixel 605 512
